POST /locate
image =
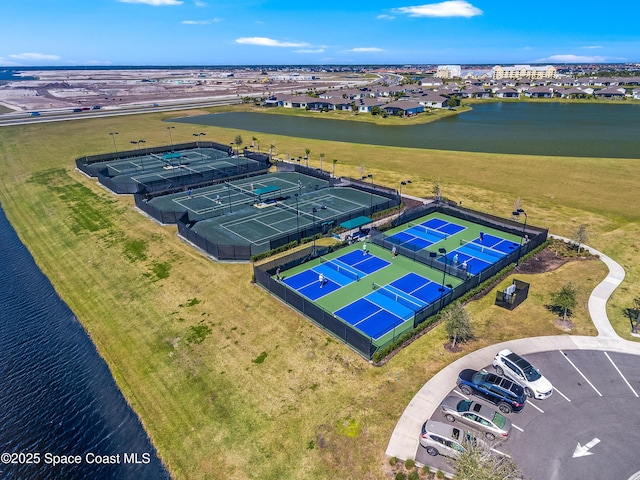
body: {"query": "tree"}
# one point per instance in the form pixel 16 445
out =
pixel 254 142
pixel 565 299
pixel 321 157
pixel 272 147
pixel 437 190
pixel 581 236
pixel 333 167
pixel 238 142
pixel 479 462
pixel 307 151
pixel 457 323
pixel 376 110
pixel 451 102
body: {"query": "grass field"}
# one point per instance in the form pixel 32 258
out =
pixel 231 383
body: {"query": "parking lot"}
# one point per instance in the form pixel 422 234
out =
pixel 586 429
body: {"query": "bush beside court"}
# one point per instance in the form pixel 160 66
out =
pixel 210 409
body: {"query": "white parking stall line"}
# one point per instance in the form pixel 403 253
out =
pixel 581 374
pixel 535 406
pixel 620 373
pixel 517 427
pixel 562 394
pixel 461 394
pixel 501 453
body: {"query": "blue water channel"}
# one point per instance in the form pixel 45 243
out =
pixel 557 129
pixel 57 396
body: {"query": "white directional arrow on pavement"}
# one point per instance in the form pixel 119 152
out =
pixel 581 451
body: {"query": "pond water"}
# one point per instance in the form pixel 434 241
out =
pixel 564 129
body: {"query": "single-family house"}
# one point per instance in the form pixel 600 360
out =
pixel 575 92
pixel 474 91
pixel 365 105
pixel 431 100
pixel 635 93
pixel 403 107
pixel 506 92
pixel 610 92
pixel 540 92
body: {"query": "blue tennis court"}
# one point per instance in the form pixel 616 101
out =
pixel 481 252
pixel 369 317
pixel 336 273
pixel 419 287
pixel 423 235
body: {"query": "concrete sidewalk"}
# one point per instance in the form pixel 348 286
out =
pixel 406 436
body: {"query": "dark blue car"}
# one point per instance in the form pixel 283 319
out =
pixel 502 392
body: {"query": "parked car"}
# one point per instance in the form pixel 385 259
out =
pixel 513 366
pixel 484 419
pixel 440 438
pixel 506 394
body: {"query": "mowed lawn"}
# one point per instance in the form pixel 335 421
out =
pixel 229 382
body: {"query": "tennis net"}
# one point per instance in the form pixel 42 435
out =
pixel 344 269
pixel 481 248
pixel 244 191
pixel 399 297
pixel 429 231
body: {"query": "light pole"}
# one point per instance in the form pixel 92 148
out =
pixel 198 135
pixel 405 182
pixel 517 213
pixel 370 196
pixel 443 252
pixel 136 143
pixel 229 197
pixel 297 219
pixel 170 136
pixel 113 136
pixel 314 210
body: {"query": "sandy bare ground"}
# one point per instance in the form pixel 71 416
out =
pixel 61 89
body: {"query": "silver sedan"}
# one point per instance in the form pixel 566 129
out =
pixel 492 424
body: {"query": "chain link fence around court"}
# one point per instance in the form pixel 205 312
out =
pixel 350 335
pixel 255 163
pixel 264 273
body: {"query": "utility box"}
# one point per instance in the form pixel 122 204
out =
pixel 513 295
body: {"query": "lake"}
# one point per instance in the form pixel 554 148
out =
pixel 58 397
pixel 557 129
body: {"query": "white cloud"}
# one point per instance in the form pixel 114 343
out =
pixel 310 50
pixel 385 17
pixel 154 3
pixel 198 3
pixel 592 46
pixel 268 42
pixel 200 22
pixel 7 63
pixel 34 56
pixel 568 58
pixel 365 50
pixel 452 8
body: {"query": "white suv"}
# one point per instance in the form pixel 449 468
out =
pixel 513 366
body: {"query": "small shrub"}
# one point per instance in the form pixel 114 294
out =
pixel 393 461
pixel 400 476
pixel 413 476
pixel 260 358
pixel 439 474
pixel 426 470
pixel 409 464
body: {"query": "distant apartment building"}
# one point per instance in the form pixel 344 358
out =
pixel 524 71
pixel 448 71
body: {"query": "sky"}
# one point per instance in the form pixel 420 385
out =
pixel 299 32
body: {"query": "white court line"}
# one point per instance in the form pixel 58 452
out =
pixel 620 373
pixel 577 370
pixel 516 427
pixel 535 406
pixel 562 394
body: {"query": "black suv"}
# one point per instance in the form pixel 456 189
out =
pixel 507 395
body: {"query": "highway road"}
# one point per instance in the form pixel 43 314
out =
pixel 61 115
